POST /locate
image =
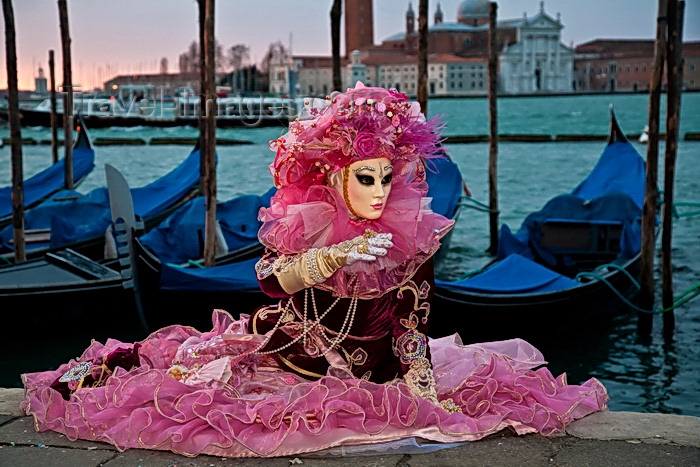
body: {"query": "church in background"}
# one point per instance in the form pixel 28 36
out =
pixel 532 59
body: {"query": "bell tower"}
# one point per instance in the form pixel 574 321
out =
pixel 438 14
pixel 410 20
pixel 359 25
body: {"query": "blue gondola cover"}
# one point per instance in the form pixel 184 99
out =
pixel 611 195
pixel 87 216
pixel 620 169
pixel 179 238
pixel 49 180
pixel 224 278
pixel 612 191
pixel 513 275
pixel 445 186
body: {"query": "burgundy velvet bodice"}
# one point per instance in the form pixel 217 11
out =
pixel 369 349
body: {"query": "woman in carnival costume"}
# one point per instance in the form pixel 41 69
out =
pixel 343 358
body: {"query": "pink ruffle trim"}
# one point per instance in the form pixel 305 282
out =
pixel 275 413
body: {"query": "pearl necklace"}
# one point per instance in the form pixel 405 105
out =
pixel 344 331
pixel 309 326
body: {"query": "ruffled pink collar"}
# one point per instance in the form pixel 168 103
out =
pixel 298 220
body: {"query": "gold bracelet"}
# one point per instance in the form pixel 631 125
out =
pixel 312 266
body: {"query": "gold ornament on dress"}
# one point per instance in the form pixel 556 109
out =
pixel 363 247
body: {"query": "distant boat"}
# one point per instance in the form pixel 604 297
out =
pixel 239 111
pixel 96 112
pixel 42 185
pixel 555 274
pixel 103 112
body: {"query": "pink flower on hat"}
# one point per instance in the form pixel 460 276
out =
pixel 341 140
pixel 365 145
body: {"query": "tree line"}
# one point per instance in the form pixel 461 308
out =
pixel 233 66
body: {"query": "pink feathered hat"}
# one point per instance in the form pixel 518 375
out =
pixel 362 123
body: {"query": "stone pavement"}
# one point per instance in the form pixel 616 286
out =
pixel 603 439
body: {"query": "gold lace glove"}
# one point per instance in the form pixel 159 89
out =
pixel 298 272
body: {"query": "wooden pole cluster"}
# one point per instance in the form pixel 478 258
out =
pixel 54 130
pixel 422 93
pixel 209 91
pixel 651 193
pixel 493 129
pixel 668 50
pixel 68 100
pixel 336 13
pixel 674 87
pixel 15 131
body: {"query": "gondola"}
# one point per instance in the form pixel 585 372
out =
pixel 42 185
pixel 64 291
pixel 568 266
pixel 78 221
pixel 172 284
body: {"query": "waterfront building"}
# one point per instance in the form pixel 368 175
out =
pixel 40 86
pixel 280 69
pixel 624 65
pixel 448 74
pixel 531 57
pixel 161 84
pixel 691 66
pixel 315 75
pixel 537 62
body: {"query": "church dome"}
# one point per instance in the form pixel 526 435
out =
pixel 473 9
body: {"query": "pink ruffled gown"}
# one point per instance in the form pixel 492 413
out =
pixel 219 393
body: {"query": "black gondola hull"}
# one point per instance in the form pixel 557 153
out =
pixel 191 307
pixel 61 292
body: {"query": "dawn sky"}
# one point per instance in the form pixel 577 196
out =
pixel 111 37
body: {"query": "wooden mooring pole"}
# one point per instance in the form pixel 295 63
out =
pixel 422 93
pixel 336 13
pixel 493 130
pixel 651 192
pixel 674 67
pixel 15 131
pixel 201 116
pixel 54 130
pixel 68 96
pixel 209 91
